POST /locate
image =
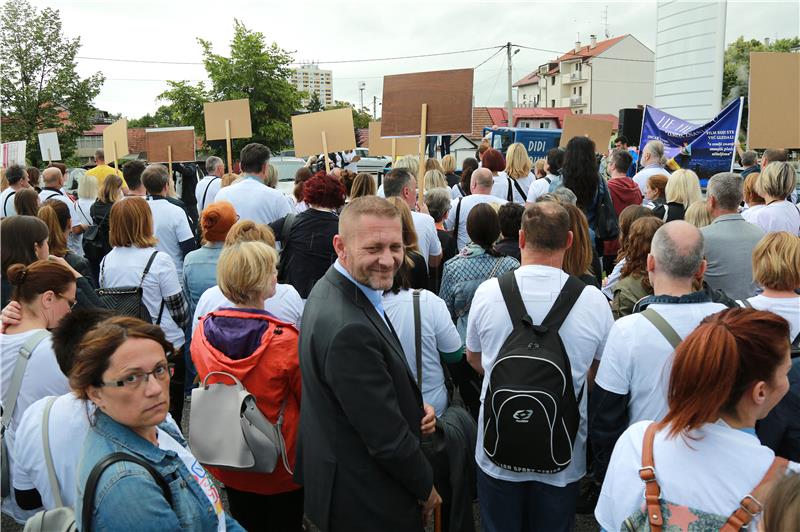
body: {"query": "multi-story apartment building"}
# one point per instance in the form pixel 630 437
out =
pixel 601 77
pixel 310 78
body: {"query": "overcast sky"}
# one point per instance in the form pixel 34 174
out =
pixel 333 30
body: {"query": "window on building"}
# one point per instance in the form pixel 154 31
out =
pixel 553 80
pixel 580 91
pixel 552 103
pixel 574 91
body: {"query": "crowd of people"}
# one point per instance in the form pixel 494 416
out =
pixel 575 334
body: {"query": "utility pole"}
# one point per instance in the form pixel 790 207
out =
pixel 510 103
pixel 361 86
pixel 374 107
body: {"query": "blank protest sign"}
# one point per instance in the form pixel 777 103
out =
pixel 580 126
pixel 383 146
pixel 337 125
pixel 774 116
pixel 48 145
pixel 236 111
pixel 179 139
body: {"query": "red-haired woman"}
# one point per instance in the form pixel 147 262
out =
pixel 493 160
pixel 307 238
pixel 703 463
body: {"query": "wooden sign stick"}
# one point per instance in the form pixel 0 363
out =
pixel 116 162
pixel 169 157
pixel 325 152
pixel 423 129
pixel 228 144
pixel 49 156
pixel 394 151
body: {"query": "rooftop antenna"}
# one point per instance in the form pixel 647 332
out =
pixel 605 21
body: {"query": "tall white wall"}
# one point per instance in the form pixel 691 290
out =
pixel 621 77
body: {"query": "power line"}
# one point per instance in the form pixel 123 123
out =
pixel 584 56
pixel 500 49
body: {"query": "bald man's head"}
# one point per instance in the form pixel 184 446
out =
pixel 52 177
pixel 482 181
pixel 677 248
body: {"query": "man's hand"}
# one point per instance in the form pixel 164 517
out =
pixel 428 506
pixel 11 315
pixel 428 420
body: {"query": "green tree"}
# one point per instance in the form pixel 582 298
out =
pixel 736 69
pixel 40 88
pixel 314 103
pixel 361 119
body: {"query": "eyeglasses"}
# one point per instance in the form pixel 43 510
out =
pixel 70 302
pixel 161 372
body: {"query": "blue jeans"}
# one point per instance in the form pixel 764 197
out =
pixel 519 506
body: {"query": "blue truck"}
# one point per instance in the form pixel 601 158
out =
pixel 537 141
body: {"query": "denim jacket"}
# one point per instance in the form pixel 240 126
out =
pixel 200 271
pixel 127 497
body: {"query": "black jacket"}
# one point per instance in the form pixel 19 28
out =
pixel 673 211
pixel 358 450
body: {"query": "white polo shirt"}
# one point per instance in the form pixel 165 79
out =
pixel 704 471
pixel 171 227
pixel 467 203
pixel 539 187
pixel 255 201
pixel 636 356
pixel 208 188
pixel 438 334
pixel 286 304
pixel 123 266
pixel 427 237
pixel 501 184
pixel 583 334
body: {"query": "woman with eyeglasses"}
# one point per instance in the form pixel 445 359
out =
pixel 46 292
pixel 121 367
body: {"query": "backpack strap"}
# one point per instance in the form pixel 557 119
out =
pixel 418 336
pixel 5 203
pixel 751 505
pixel 48 456
pixel 15 385
pixel 203 203
pixel 570 293
pixel 652 491
pixel 663 327
pixel 458 219
pixel 94 476
pixel 511 295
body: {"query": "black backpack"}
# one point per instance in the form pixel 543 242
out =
pixel 530 412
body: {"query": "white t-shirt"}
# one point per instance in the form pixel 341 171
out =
pixel 208 187
pixel 42 378
pixel 644 174
pixel 750 214
pixel 123 266
pixel 255 201
pixel 467 203
pixel 635 360
pixel 428 238
pixel 7 203
pixel 438 334
pixel 68 426
pixel 539 187
pixel 501 184
pixel 779 216
pixel 711 472
pixel 286 304
pixel 583 333
pixel 455 193
pixel 82 208
pixel 786 307
pixel 170 227
pixel 203 479
pixel 613 279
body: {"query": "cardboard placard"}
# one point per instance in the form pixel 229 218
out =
pixel 13 153
pixel 774 117
pixel 448 94
pixel 337 125
pixel 237 111
pixel 115 140
pixel 580 126
pixel 48 145
pixel 383 146
pixel 180 139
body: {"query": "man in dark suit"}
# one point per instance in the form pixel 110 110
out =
pixel 358 455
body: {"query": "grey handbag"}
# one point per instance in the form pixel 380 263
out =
pixel 61 518
pixel 227 430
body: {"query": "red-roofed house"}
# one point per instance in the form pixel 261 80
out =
pixel 601 77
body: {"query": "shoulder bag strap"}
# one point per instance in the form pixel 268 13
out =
pixel 652 491
pixel 78 206
pixel 19 372
pixel 147 268
pixel 55 195
pixel 203 203
pixel 752 503
pixel 746 304
pixel 5 203
pixel 796 341
pixel 94 476
pixel 288 222
pixel 48 456
pixel 663 327
pixel 563 304
pixel 461 190
pixel 458 220
pixel 519 189
pixel 418 336
pixel 510 195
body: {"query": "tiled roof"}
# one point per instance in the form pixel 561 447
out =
pixel 480 119
pixel 587 51
pixel 499 115
pixel 362 136
pixel 530 79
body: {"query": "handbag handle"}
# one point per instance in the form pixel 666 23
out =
pixel 235 380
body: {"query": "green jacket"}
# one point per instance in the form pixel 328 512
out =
pixel 627 292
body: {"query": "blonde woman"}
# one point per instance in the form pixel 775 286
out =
pixel 512 184
pixel 449 170
pixel 776 182
pixel 229 179
pixel 683 189
pixel 410 163
pixel 698 215
pixel 435 179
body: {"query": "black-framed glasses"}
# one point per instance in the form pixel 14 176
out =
pixel 70 302
pixel 161 372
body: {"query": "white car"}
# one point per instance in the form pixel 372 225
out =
pixel 373 165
